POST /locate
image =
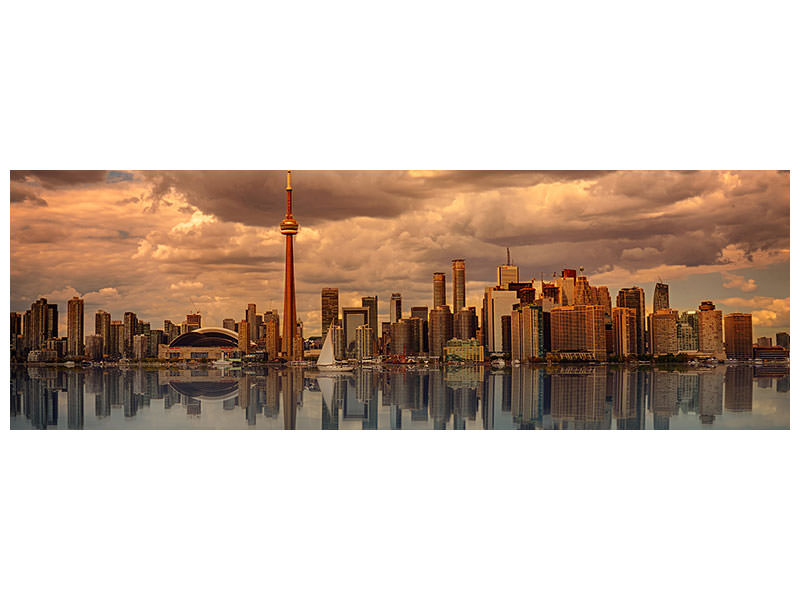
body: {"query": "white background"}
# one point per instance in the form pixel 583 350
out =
pixel 421 85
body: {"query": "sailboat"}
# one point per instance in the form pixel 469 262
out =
pixel 327 359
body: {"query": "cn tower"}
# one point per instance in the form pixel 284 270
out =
pixel 289 228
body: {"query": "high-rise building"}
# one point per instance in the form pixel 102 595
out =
pixel 117 347
pixel 330 308
pixel 497 302
pixel 507 273
pixel 272 338
pixel 440 329
pixel 229 324
pixel 75 327
pixel 289 228
pixel 337 337
pixel 579 329
pixel 566 285
pixel 634 298
pixel 687 331
pixel 782 340
pixel 244 337
pixel 352 317
pixel 464 323
pixel 102 327
pixel 94 346
pixel 371 302
pixel 709 336
pixel 51 326
pixel 421 313
pixel 603 299
pixel 459 285
pixel 660 296
pixel 527 333
pixel 141 344
pixel 364 339
pixel 739 336
pixel 171 330
pixel 129 324
pixel 624 331
pixel 250 317
pixel 663 332
pixel 764 342
pixel 402 334
pixel 395 307
pixel 439 290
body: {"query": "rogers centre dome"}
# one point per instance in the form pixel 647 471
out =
pixel 206 342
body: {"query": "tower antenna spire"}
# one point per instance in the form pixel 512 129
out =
pixel 508 256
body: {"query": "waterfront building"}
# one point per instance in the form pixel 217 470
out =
pixel 371 303
pixel 140 346
pixel 634 298
pixel 527 333
pixel 102 327
pixel 465 323
pixel 709 321
pixel 579 329
pixel 272 339
pixel 117 347
pixel 353 317
pixel 739 336
pixel 243 341
pixel 439 290
pixel 458 350
pixel 206 343
pixel 663 327
pixel 459 285
pixel 364 340
pixel 497 303
pixel 75 327
pixel 129 323
pixel 624 332
pixel 688 329
pixel 440 329
pixel 330 308
pixel 337 337
pixel 94 347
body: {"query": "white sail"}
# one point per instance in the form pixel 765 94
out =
pixel 326 356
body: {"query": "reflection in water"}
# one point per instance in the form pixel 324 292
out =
pixel 577 397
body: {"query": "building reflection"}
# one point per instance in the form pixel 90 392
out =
pixel 563 397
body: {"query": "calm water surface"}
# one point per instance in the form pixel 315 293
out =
pixel 596 397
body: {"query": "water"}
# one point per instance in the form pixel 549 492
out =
pixel 579 397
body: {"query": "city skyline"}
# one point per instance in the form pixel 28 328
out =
pixel 162 243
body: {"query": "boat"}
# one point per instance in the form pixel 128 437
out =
pixel 222 363
pixel 69 364
pixel 327 359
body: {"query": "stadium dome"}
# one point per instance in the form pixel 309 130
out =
pixel 207 337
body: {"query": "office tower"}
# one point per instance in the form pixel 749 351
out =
pixel 117 340
pixel 229 324
pixel 129 323
pixel 75 327
pixel 579 329
pixel 709 335
pixel 634 298
pixel 526 295
pixel 551 292
pixel 421 313
pixel 371 302
pixel 566 286
pixel 94 346
pixel 739 336
pixel 439 290
pixel 459 285
pixel 156 338
pixel 363 342
pixel 527 335
pixel 250 317
pixel 36 333
pixel 764 342
pixel 337 337
pixel 330 308
pixel 687 332
pixel 583 292
pixel 402 338
pixel 244 337
pixel 782 340
pixel 352 317
pixel 507 273
pixel 440 329
pixel 418 330
pixel 497 302
pixel 660 297
pixel 624 332
pixel 141 343
pixel 464 323
pixel 171 330
pixel 505 328
pixel 663 332
pixel 272 339
pixel 395 308
pixel 51 326
pixel 272 315
pixel 102 327
pixel 289 228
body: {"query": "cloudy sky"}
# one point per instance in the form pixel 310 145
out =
pixel 162 242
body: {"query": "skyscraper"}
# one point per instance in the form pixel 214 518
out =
pixel 395 307
pixel 634 298
pixel 289 228
pixel 624 331
pixel 244 337
pixel 459 284
pixel 507 273
pixel 352 317
pixel 709 321
pixel 371 303
pixel 75 327
pixel 782 340
pixel 363 342
pixel 330 308
pixel 250 317
pixel 739 336
pixel 687 332
pixel 439 290
pixel 579 328
pixel 497 303
pixel 102 327
pixel 229 324
pixel 663 332
pixel 464 323
pixel 660 296
pixel 51 326
pixel 440 329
